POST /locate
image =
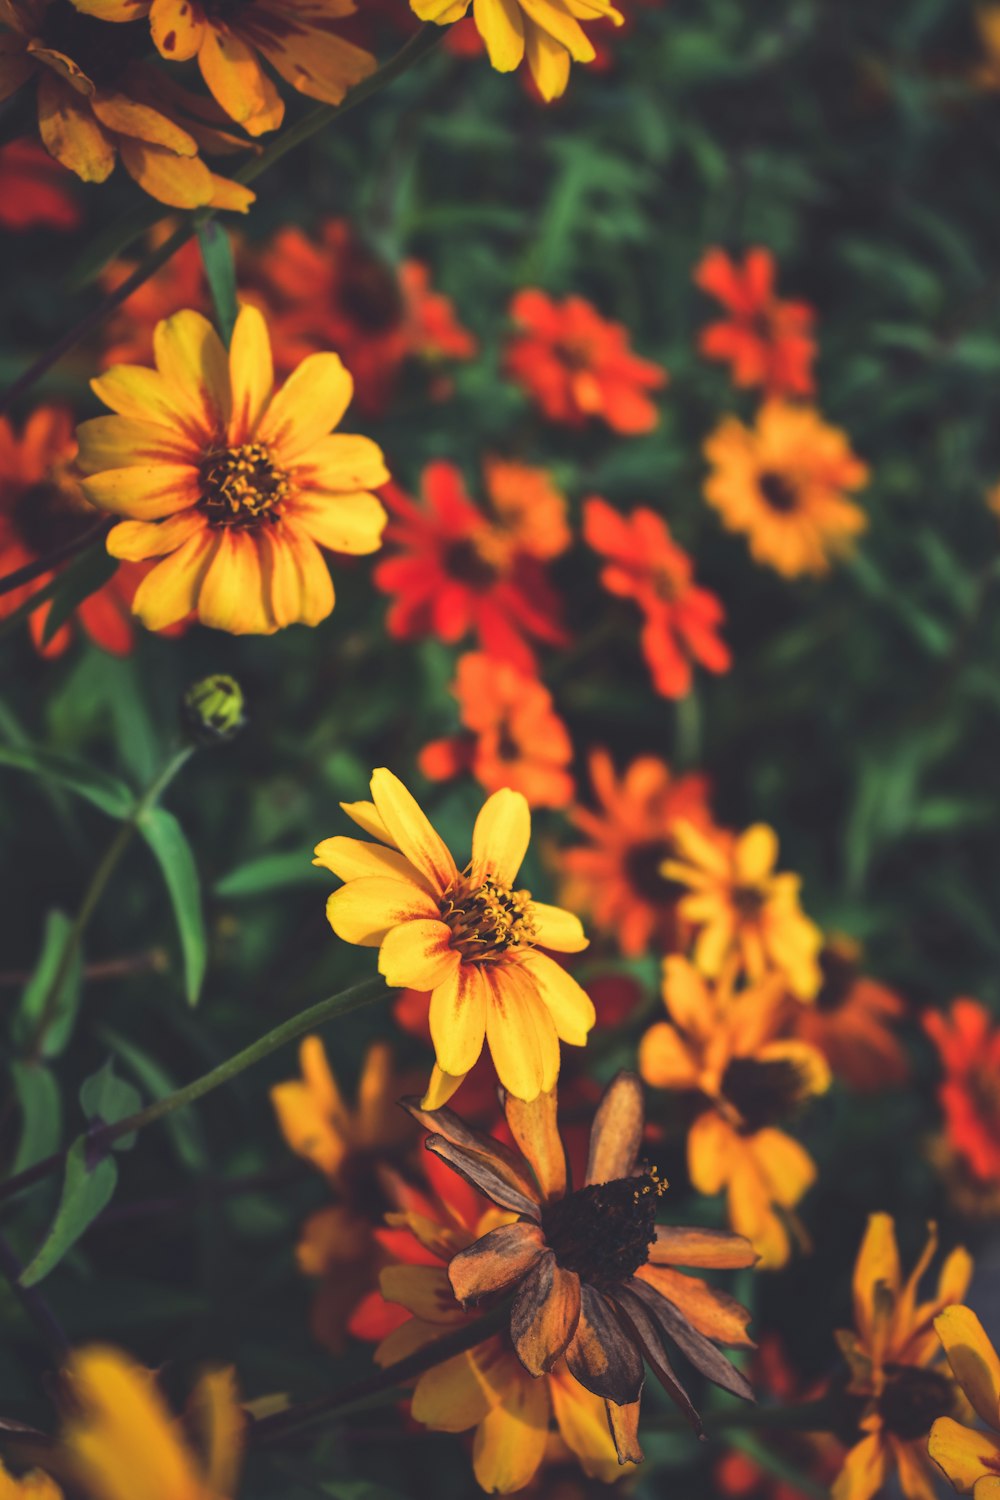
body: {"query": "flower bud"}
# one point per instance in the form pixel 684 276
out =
pixel 212 710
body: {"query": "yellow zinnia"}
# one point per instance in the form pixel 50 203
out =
pixel 546 33
pixel 970 1460
pixel 234 486
pixel 468 936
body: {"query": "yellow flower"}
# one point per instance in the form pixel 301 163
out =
pixel 297 38
pixel 96 103
pixel 893 1355
pixel 748 919
pixel 547 33
pixel 33 1486
pixel 782 483
pixel 236 487
pixel 969 1460
pixel 122 1441
pixel 469 937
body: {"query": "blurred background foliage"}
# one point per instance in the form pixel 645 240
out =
pixel 860 719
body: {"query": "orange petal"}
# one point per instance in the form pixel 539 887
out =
pixel 616 1134
pixel 545 1314
pixel 536 1132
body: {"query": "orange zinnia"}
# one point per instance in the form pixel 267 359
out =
pixel 455 567
pixel 852 1020
pixel 968 1044
pixel 747 917
pixel 617 875
pixel 97 102
pixel 469 937
pixel 782 483
pixel 297 37
pixel 577 365
pixel 645 564
pixel 896 1365
pixel 235 486
pixel 729 1049
pixel 766 342
pixel 516 737
pixel 592 1274
pixel 127 336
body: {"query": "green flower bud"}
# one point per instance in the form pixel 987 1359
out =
pixel 212 710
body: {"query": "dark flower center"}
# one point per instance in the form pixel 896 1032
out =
pixel 464 562
pixel 46 517
pixel 507 747
pixel 604 1232
pixel 242 485
pixel 102 51
pixel 778 491
pixel 913 1399
pixel 840 973
pixel 486 920
pixel 370 295
pixel 749 901
pixel 643 864
pixel 763 1092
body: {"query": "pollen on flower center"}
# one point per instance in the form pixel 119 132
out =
pixel 242 485
pixel 603 1232
pixel 778 492
pixel 913 1399
pixel 487 920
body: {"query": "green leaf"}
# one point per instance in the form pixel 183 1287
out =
pixel 41 1113
pixel 217 258
pixel 84 576
pixel 108 793
pixel 34 997
pixel 87 1191
pixel 182 1125
pixel 106 1099
pixel 166 838
pixel 271 872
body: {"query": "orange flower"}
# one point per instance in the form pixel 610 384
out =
pixel 782 484
pixel 765 341
pixel 235 486
pixel 645 564
pixel 576 365
pixel 434 332
pixel 617 876
pixel 97 102
pixel 127 336
pixel 43 507
pixel 728 1049
pixel 748 918
pixel 297 37
pixel 516 737
pixel 455 568
pixel 896 1368
pixel 968 1044
pixel 592 1274
pixel 852 1020
pixel 34 189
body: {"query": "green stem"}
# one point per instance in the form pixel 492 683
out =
pixel 105 1135
pixel 94 892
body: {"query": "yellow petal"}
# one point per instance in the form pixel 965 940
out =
pixel 309 405
pixel 440 1088
pixel 501 26
pixel 119 442
pixel 500 837
pixel 180 181
pixel 520 1033
pixel 124 116
pixel 364 910
pixel 665 1060
pixel 510 1440
pixel 136 392
pixel 191 358
pixel 755 854
pixel 877 1265
pixel 569 1005
pixel 449 1397
pixel 418 955
pixel 973 1359
pixel 134 541
pixel 232 594
pixel 582 1420
pixel 251 372
pixel 686 996
pixel 344 523
pixel 963 1454
pixel 864 1470
pixel 411 830
pixel 219 1417
pixel 177 29
pixel 70 133
pixel 341 462
pixel 350 859
pixel 147 492
pixel 548 62
pixel 557 929
pixel 315 586
pixel 170 591
pixel 535 1129
pixel 237 81
pixel 458 1015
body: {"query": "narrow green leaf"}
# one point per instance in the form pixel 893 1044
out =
pixel 87 1191
pixel 41 1113
pixel 106 1099
pixel 166 838
pixel 35 993
pixel 182 1126
pixel 217 258
pixel 271 872
pixel 84 576
pixel 108 793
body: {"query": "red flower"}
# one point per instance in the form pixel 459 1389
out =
pixel 577 365
pixel 968 1042
pixel 766 342
pixel 456 569
pixel 645 564
pixel 433 329
pixel 34 189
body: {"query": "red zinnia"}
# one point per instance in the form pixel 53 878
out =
pixel 645 564
pixel 578 365
pixel 766 341
pixel 968 1041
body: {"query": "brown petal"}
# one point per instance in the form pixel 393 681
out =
pixel 545 1314
pixel 446 1123
pixel 616 1133
pixel 624 1424
pixel 703 1354
pixel 713 1248
pixel 495 1262
pixel 534 1128
pixel 648 1335
pixel 601 1354
pixel 715 1314
pixel 485 1172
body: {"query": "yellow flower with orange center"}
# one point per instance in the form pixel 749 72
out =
pixel 235 486
pixel 545 33
pixel 895 1362
pixel 747 917
pixel 784 484
pixel 729 1049
pixel 469 936
pixel 969 1459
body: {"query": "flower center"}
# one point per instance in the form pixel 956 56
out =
pixel 487 920
pixel 749 901
pixel 576 354
pixel 643 864
pixel 243 485
pixel 101 51
pixel 52 514
pixel 913 1399
pixel 840 972
pixel 604 1232
pixel 466 561
pixel 778 491
pixel 762 1093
